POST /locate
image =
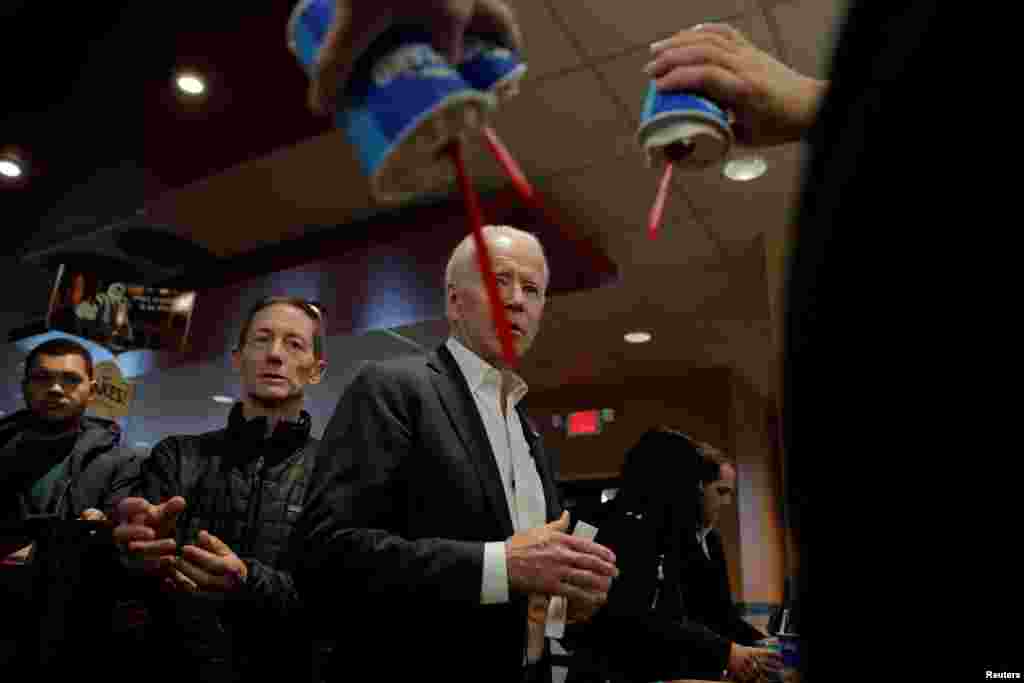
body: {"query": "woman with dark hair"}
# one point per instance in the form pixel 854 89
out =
pixel 644 633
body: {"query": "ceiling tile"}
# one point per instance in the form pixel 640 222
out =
pixel 605 27
pixel 613 200
pixel 268 200
pixel 548 49
pixel 739 211
pixel 561 124
pixel 317 183
pixel 808 28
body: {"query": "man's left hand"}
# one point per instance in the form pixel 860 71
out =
pixel 19 555
pixel 212 566
pixel 582 611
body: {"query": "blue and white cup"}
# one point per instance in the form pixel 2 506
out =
pixel 491 67
pixel 402 105
pixel 684 128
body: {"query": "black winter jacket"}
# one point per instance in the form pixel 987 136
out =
pixel 247 491
pixel 95 468
pixel 59 603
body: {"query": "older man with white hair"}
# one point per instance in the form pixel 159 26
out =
pixel 429 525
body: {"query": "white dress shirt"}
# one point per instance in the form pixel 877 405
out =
pixel 524 492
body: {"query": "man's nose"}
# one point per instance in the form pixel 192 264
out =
pixel 513 294
pixel 276 349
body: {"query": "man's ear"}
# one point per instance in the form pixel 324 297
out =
pixel 451 301
pixel 236 360
pixel 93 389
pixel 318 372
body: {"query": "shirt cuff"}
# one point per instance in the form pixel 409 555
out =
pixel 557 613
pixel 494 588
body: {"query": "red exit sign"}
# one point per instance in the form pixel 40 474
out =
pixel 584 422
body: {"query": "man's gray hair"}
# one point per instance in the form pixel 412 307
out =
pixel 463 254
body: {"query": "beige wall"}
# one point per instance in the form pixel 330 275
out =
pixel 697 403
pixel 758 495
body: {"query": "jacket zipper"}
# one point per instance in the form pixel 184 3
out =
pixel 255 500
pixel 660 581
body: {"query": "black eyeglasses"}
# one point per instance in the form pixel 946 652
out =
pixel 67 380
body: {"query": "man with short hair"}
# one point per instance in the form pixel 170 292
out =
pixel 53 459
pixel 430 519
pixel 56 462
pixel 211 513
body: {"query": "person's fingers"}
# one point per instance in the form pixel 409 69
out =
pixel 129 509
pixel 692 55
pixel 585 600
pixel 179 581
pixel 153 549
pixel 496 17
pixel 717 83
pixel 689 38
pixel 210 570
pixel 135 513
pixel 208 541
pixel 168 510
pixel 332 68
pixel 727 31
pixel 206 561
pixel 203 579
pixel 587 580
pixel 560 524
pixel 92 515
pixel 593 565
pixel 589 548
pixel 157 565
pixel 355 27
pixel 126 533
pixel 537 609
pixel 165 516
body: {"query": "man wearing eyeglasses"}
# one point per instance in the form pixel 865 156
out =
pixel 210 516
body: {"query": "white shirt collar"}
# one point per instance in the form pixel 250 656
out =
pixel 702 534
pixel 479 372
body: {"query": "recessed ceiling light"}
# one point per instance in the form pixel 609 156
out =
pixel 183 302
pixel 220 398
pixel 638 337
pixel 745 168
pixel 10 168
pixel 191 83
